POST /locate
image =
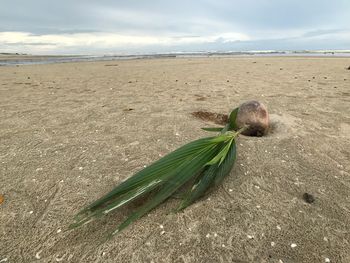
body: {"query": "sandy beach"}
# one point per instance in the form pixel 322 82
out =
pixel 69 132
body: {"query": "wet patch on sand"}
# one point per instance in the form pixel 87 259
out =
pixel 216 118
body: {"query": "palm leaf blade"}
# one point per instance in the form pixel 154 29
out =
pixel 212 129
pixel 184 173
pixel 200 186
pixel 232 119
pixel 226 166
pixel 116 203
pixel 216 171
pixel 164 165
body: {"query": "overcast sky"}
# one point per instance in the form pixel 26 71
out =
pixel 130 26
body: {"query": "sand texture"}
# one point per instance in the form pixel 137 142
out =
pixel 70 132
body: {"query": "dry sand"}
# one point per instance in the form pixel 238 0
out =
pixel 69 132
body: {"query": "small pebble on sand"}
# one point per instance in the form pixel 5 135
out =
pixel 37 255
pixel 273 244
pixel 327 260
pixel 59 259
pixel 293 245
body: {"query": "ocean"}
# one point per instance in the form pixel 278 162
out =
pixel 20 59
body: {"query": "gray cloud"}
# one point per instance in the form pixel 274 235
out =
pixel 269 24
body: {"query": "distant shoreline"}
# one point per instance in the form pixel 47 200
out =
pixel 13 59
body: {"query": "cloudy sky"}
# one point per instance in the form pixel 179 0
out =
pixel 140 26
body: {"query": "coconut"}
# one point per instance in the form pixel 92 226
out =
pixel 255 116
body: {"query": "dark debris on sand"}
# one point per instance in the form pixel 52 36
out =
pixel 217 118
pixel 308 198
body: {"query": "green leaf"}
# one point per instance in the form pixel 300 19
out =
pixel 116 203
pixel 232 119
pixel 202 183
pixel 182 174
pixel 146 180
pixel 155 170
pixel 213 129
pixel 225 129
pixel 222 154
pixel 215 172
pixel 226 166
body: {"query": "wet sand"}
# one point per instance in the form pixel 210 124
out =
pixel 69 132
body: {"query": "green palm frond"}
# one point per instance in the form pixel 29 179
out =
pixel 203 162
pixel 213 174
pixel 201 184
pixel 179 177
pixel 226 165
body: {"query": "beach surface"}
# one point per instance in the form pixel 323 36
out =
pixel 70 132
